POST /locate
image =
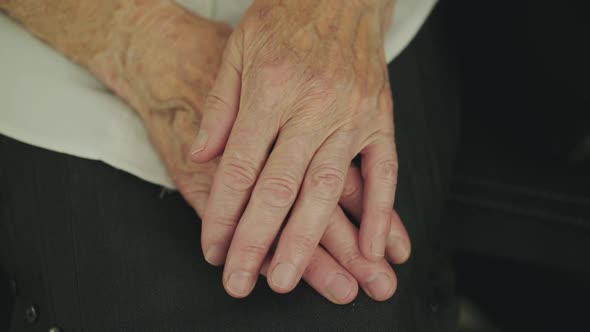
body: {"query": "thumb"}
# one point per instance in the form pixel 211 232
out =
pixel 221 106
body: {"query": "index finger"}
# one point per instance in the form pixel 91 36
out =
pixel 242 161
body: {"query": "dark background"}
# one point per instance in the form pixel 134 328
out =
pixel 518 220
pixel 519 209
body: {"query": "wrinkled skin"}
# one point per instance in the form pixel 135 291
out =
pixel 302 89
pixel 163 61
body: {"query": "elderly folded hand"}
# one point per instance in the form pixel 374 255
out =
pixel 304 87
pixel 302 90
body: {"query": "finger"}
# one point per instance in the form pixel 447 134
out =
pixel 379 172
pixel 244 157
pixel 271 200
pixel 351 199
pixel 341 240
pixel 398 247
pixel 221 106
pixel 317 200
pixel 327 277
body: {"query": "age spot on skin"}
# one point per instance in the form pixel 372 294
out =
pixel 263 13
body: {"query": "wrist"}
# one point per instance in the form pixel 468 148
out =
pixel 114 53
pixel 161 59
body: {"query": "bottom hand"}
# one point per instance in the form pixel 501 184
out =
pixel 337 267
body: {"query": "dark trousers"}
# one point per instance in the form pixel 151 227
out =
pixel 88 247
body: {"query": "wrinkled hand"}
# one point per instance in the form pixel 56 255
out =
pixel 165 72
pixel 303 89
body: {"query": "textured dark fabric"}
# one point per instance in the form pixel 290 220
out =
pixel 94 249
pixel 526 70
pixel 517 175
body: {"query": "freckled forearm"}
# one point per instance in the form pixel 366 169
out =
pixel 152 53
pixel 80 29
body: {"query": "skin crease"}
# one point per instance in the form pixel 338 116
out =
pixel 302 89
pixel 163 61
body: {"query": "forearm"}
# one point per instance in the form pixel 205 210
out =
pixel 153 53
pixel 80 29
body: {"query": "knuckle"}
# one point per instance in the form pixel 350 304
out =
pixel 387 170
pixel 278 191
pixel 350 256
pixel 317 88
pixel 383 213
pixel 223 221
pixel 232 54
pixel 277 67
pixel 326 182
pixel 251 254
pixel 239 174
pixel 302 243
pixel 254 249
pixel 320 82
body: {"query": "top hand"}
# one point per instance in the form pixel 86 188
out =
pixel 309 79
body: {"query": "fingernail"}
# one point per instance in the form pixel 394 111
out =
pixel 239 283
pixel 398 249
pixel 379 286
pixel 340 287
pixel 284 276
pixel 215 255
pixel 378 246
pixel 200 142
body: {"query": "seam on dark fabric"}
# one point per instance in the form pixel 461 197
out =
pixel 434 166
pixel 75 250
pixel 415 195
pixel 8 224
pixel 48 290
pixel 560 197
pixel 541 215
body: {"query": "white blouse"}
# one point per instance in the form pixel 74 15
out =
pixel 47 101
